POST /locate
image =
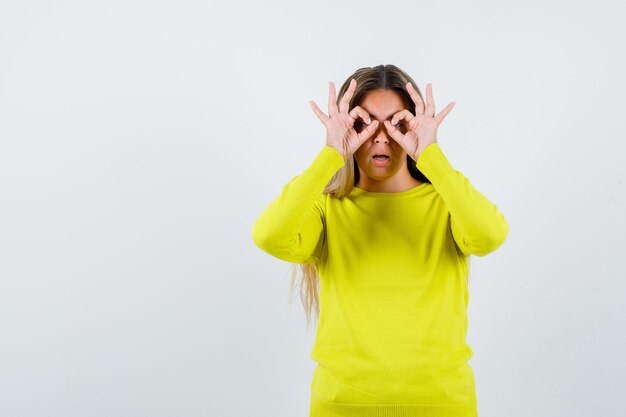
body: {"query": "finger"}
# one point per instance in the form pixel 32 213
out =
pixel 318 112
pixel 430 101
pixel 417 99
pixel 358 111
pixel 367 132
pixel 443 113
pixel 403 114
pixel 345 100
pixel 394 132
pixel 332 99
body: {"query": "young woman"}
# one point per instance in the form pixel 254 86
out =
pixel 385 225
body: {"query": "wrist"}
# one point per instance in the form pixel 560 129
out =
pixel 420 149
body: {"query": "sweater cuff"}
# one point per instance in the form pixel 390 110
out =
pixel 433 164
pixel 325 165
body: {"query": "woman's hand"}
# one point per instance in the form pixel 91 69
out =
pixel 340 132
pixel 421 129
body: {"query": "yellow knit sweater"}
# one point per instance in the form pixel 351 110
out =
pixel 391 335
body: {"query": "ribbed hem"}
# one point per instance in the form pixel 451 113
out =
pixel 324 409
pixel 433 163
pixel 324 166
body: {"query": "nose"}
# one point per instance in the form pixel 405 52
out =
pixel 381 134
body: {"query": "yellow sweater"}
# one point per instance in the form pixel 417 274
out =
pixel 391 335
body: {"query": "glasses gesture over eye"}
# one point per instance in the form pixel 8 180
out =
pixel 339 123
pixel 420 129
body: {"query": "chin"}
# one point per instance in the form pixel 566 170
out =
pixel 381 173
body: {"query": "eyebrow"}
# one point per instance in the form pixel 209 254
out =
pixel 388 117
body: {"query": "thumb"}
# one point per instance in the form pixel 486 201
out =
pixel 366 133
pixel 394 132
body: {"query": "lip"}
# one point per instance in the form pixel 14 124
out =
pixel 381 163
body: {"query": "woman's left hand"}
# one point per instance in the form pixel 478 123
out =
pixel 421 128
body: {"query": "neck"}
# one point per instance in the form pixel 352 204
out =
pixel 387 186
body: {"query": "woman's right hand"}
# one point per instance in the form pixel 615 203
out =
pixel 340 131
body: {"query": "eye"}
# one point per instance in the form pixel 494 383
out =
pixel 359 125
pixel 401 126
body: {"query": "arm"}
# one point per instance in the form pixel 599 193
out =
pixel 478 227
pixel 291 227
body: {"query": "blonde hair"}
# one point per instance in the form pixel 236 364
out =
pixel 387 77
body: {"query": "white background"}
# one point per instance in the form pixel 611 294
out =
pixel 141 139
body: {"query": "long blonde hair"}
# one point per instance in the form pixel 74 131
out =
pixel 387 77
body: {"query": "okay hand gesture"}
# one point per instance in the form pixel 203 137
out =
pixel 340 132
pixel 421 128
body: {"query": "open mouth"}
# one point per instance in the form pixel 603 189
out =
pixel 381 160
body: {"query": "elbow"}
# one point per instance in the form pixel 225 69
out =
pixel 270 242
pixel 492 240
pixel 261 236
pixel 289 249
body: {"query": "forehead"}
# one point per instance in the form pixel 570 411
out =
pixel 382 103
